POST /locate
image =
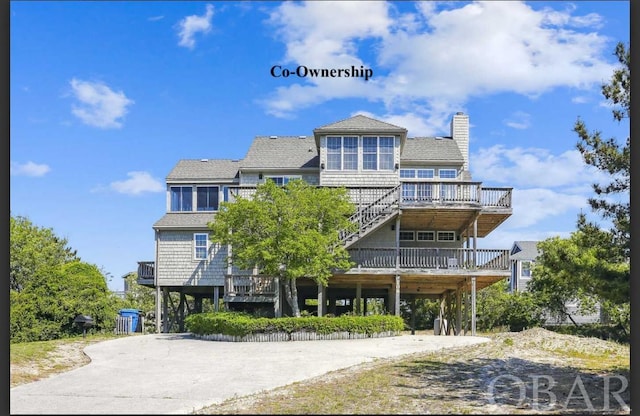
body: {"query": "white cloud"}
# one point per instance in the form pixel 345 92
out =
pixel 519 120
pixel 533 167
pixel 441 58
pixel 191 25
pixel 28 169
pixel 155 18
pixel 580 99
pixel 98 105
pixel 530 206
pixel 138 182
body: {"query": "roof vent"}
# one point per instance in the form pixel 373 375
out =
pixel 302 137
pixel 204 160
pixel 273 137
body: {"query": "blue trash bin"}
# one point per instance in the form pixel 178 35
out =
pixel 134 314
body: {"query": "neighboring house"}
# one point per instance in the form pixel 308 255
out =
pixel 418 210
pixel 523 257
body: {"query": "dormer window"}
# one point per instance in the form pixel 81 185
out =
pixel 342 153
pixel 377 153
pixel 207 198
pixel 181 198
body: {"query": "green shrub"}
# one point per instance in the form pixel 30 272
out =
pixel 240 324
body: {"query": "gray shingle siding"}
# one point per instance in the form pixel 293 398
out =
pixel 177 267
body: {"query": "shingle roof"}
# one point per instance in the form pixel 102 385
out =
pixel 360 123
pixel 430 149
pixel 205 169
pixel 282 152
pixel 524 250
pixel 184 220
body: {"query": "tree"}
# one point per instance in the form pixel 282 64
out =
pixel 138 296
pixel 612 157
pixel 31 248
pixel 289 232
pixel 54 296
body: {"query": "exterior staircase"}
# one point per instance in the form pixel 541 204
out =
pixel 372 216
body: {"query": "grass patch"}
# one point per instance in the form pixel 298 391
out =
pixel 32 361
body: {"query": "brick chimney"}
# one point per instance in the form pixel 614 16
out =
pixel 460 133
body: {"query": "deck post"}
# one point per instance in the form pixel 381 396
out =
pixel 183 299
pixel 473 306
pixel 475 241
pixel 396 304
pixel 459 310
pixel 165 309
pixel 358 298
pixel 158 310
pixel 277 308
pixel 216 298
pixel 321 299
pixel 413 314
pixel 391 296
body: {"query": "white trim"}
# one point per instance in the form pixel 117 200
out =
pixel 206 254
pixel 453 233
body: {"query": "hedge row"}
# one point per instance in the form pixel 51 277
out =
pixel 240 324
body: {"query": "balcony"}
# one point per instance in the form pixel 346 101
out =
pixel 249 288
pixel 431 258
pixel 146 273
pixel 412 193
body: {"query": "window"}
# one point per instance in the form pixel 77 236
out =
pixel 425 173
pixel 282 180
pixel 370 153
pixel 421 173
pixel 207 197
pixel 407 236
pixel 446 236
pixel 181 198
pixel 526 269
pixel 350 153
pixel 386 153
pixel 342 153
pixel 377 153
pixel 200 242
pixel 447 173
pixel 416 191
pixel 426 236
pixel 407 173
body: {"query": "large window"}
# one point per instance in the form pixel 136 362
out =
pixel 447 173
pixel 207 198
pixel 416 173
pixel 377 153
pixel 412 192
pixel 200 242
pixel 342 153
pixel 181 198
pixel 526 269
pixel 282 180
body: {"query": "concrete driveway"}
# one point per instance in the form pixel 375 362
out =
pixel 177 374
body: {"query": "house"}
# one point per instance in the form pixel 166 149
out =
pixel 419 216
pixel 523 256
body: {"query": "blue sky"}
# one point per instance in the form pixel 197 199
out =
pixel 106 97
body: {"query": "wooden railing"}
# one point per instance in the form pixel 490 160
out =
pixel 411 193
pixel 496 197
pixel 431 258
pixel 367 215
pixel 249 285
pixel 146 270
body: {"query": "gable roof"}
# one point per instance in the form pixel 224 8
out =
pixel 524 250
pixel 281 152
pixel 360 123
pixel 204 169
pixel 430 149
